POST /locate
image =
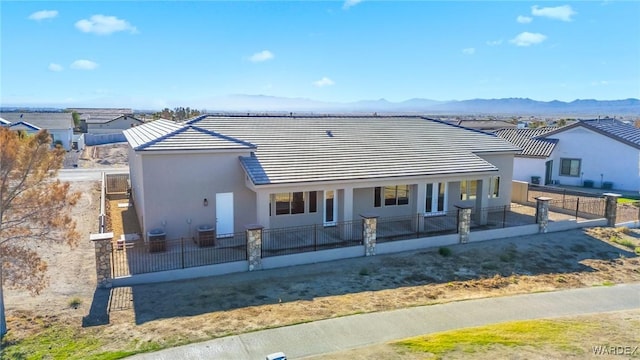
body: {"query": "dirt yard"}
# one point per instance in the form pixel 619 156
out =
pixel 113 155
pixel 161 315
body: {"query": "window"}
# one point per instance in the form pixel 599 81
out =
pixel 313 201
pixel 289 203
pixel 570 167
pixel 494 187
pixel 468 189
pixel 393 195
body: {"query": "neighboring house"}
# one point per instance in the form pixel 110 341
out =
pixel 58 124
pixel 114 125
pixel 602 153
pixel 287 171
pixel 487 125
pixel 529 164
pixel 4 122
pixel 106 120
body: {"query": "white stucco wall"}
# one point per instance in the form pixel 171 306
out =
pixel 175 186
pixel 524 168
pixel 617 162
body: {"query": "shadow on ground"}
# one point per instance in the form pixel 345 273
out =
pixel 543 254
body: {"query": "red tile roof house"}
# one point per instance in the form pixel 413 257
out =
pixel 230 171
pixel 599 153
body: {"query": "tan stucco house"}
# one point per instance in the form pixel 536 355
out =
pixel 231 171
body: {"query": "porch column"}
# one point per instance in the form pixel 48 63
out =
pixel 262 208
pixel 254 246
pixel 482 201
pixel 369 225
pixel 464 223
pixel 421 197
pixel 542 213
pixel 347 204
pixel 611 208
pixel 103 247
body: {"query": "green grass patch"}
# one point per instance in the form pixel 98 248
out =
pixel 535 333
pixel 627 200
pixel 624 242
pixel 63 342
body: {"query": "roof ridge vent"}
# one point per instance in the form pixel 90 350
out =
pixel 329 133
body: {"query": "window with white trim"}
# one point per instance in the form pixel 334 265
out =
pixel 494 187
pixel 392 195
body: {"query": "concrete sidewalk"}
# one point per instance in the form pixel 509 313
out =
pixel 355 331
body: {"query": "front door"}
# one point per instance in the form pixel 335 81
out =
pixel 548 168
pixel 224 214
pixel 330 207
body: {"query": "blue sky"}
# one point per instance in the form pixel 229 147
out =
pixel 145 54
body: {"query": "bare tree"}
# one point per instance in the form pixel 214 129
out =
pixel 35 208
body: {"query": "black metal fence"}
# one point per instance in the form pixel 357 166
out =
pixel 556 193
pixel 498 217
pixel 294 240
pixel 160 255
pixel 587 208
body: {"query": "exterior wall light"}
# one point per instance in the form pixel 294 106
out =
pixel 205 202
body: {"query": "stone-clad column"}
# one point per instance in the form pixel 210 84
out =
pixel 611 208
pixel 103 246
pixel 369 226
pixel 254 246
pixel 464 223
pixel 542 213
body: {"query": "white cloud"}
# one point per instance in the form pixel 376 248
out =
pixel 261 56
pixel 83 65
pixel 325 81
pixel 527 38
pixel 43 14
pixel 104 25
pixel 564 12
pixel 494 42
pixel 349 3
pixel 469 51
pixel 55 67
pixel 524 19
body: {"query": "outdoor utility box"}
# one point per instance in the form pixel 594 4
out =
pixel 206 236
pixel 588 183
pixel 535 180
pixel 607 185
pixel 157 240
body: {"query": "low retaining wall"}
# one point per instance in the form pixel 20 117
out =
pixel 182 274
pixel 417 244
pixel 312 257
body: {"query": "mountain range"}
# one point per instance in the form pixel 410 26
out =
pixel 502 107
pixel 507 106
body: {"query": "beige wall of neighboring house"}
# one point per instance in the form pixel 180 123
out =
pixel 113 126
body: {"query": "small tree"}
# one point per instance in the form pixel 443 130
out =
pixel 34 208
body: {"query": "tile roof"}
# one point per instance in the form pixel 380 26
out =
pixel 615 129
pixel 43 120
pixel 528 140
pixel 293 149
pixel 168 135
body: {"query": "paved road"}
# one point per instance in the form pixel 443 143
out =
pixel 89 174
pixel 350 332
